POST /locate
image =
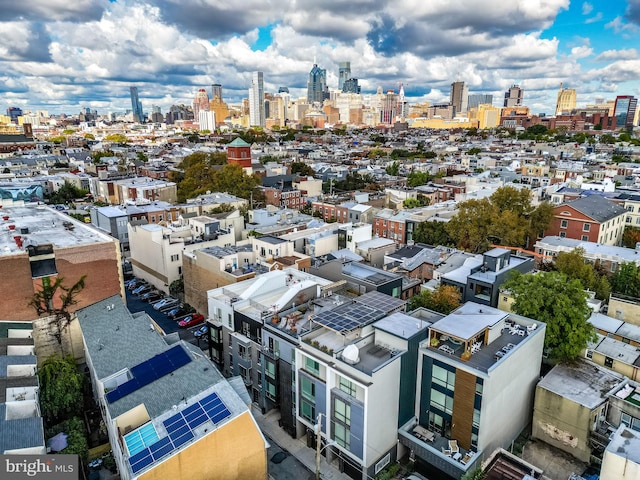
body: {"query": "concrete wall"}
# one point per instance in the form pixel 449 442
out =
pixel 562 423
pixel 629 310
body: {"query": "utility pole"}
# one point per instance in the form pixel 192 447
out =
pixel 318 430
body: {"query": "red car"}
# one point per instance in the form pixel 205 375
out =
pixel 191 320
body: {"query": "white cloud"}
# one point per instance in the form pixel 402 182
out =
pixel 623 54
pixel 587 8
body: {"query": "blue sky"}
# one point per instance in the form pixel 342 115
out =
pixel 63 56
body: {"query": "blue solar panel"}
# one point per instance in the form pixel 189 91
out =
pixel 163 442
pixel 183 439
pixel 196 422
pixel 220 416
pixel 136 467
pixel 179 431
pixel 158 454
pixel 174 422
pixel 190 409
pixel 138 456
pixel 195 412
pixel 148 371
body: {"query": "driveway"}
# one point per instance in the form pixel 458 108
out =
pixel 284 466
pixel 134 304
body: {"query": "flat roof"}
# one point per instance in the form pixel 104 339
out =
pixel 604 322
pixel 623 352
pixel 583 383
pixel 40 225
pixel 401 325
pixel 625 443
pixel 468 320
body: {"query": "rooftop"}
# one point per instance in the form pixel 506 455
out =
pixel 368 274
pixel 626 444
pixel 591 249
pixel 38 225
pixel 584 383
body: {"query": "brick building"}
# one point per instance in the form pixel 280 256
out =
pixel 38 243
pixel 239 152
pixel 593 218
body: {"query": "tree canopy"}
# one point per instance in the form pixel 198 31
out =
pixel 60 388
pixel 67 193
pixel 302 169
pixel 561 303
pixel 626 280
pixel 506 218
pixel 444 299
pixel 574 265
pixel 433 233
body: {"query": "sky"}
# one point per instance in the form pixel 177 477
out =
pixel 62 56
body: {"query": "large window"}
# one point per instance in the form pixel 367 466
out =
pixel 629 421
pixel 347 386
pixel 586 227
pixel 342 411
pixel 441 401
pixel 564 223
pixel 476 417
pixel 311 366
pixel 341 435
pixel 270 369
pixel 443 377
pixel 308 411
pixel 308 388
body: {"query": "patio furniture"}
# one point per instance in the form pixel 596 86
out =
pixel 457 456
pixel 522 333
pixel 446 452
pixel 499 354
pixel 510 346
pixel 453 446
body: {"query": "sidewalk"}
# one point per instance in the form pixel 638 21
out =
pixel 268 423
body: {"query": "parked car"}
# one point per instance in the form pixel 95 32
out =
pixel 141 289
pixel 136 284
pixel 176 312
pixel 165 303
pixel 131 281
pixel 191 320
pixel 151 296
pixel 201 332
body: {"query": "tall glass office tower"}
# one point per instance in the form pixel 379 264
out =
pixel 256 100
pixel 136 106
pixel 317 89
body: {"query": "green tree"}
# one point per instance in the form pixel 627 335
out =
pixel 67 193
pixel 630 237
pixel 433 233
pixel 561 303
pixel 576 267
pixel 415 179
pixel 626 280
pixel 55 299
pixel 76 437
pixel 476 474
pixel 176 289
pixel 60 388
pixel 505 218
pixel 444 299
pixel 474 151
pixel 302 169
pixel 116 138
pixel 393 169
pixel 231 178
pixel 411 203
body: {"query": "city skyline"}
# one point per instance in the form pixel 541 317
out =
pixel 90 54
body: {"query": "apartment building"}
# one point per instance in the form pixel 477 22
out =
pixel 168 411
pixel 477 373
pixel 355 377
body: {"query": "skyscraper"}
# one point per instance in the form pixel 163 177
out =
pixel 566 100
pixel 459 97
pixel 513 97
pixel 344 74
pixel 200 103
pixel 350 85
pixel 479 99
pixel 256 100
pixel 136 106
pixel 625 111
pixel 14 113
pixel 216 91
pixel 317 89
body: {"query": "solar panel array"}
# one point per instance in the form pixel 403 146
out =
pixel 180 430
pixel 348 317
pixel 380 301
pixel 149 371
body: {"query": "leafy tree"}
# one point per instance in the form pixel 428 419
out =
pixel 89 136
pixel 574 265
pixel 477 474
pixel 433 233
pixel 116 138
pixel 561 303
pixel 607 138
pixel 626 280
pixel 302 169
pixel 6 170
pixel 537 129
pixel 444 299
pixel 430 154
pixel 176 289
pixel 76 437
pixel 231 178
pixel 67 193
pixel 474 151
pixel 60 388
pixel 393 169
pixel 376 153
pixel 630 237
pixel 505 218
pixel 55 299
pixel 97 156
pixel 411 203
pixel 415 179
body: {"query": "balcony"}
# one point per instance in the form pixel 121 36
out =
pixel 437 450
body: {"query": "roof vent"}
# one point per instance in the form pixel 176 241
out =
pixel 351 354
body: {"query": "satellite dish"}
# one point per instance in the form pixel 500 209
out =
pixel 351 354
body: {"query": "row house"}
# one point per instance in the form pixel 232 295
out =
pixel 286 197
pixel 394 226
pixel 593 218
pixel 331 212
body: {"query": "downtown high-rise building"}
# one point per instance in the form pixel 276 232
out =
pixel 14 113
pixel 625 111
pixel 256 100
pixel 566 100
pixel 216 91
pixel 344 74
pixel 351 86
pixel 459 97
pixel 513 97
pixel 136 106
pixel 476 99
pixel 317 89
pixel 200 103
